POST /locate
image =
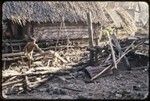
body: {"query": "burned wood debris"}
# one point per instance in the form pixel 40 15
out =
pixel 82 48
pixel 105 66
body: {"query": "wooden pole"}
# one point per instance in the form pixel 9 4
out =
pixel 120 51
pixel 90 30
pixel 98 33
pixel 32 28
pixel 91 42
pixel 97 36
pixel 112 50
pixel 28 29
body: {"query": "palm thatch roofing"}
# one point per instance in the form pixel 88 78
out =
pixel 53 11
pixel 72 11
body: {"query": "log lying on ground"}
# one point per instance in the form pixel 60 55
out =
pixel 38 71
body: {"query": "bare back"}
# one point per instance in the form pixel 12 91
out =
pixel 30 47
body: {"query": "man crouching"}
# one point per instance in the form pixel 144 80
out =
pixel 28 50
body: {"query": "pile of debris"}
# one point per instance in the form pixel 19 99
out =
pixel 117 53
pixel 18 77
pixel 106 59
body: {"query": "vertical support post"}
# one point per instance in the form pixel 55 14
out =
pixel 90 30
pixel 98 33
pixel 14 29
pixel 24 84
pixel 32 28
pixel 4 65
pixel 28 29
pixel 91 42
pixel 97 36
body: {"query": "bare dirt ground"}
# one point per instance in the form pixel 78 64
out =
pixel 121 85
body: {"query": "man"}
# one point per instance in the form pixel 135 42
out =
pixel 28 50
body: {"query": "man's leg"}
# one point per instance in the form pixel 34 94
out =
pixel 29 60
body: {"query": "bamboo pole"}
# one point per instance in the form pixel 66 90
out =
pixel 112 50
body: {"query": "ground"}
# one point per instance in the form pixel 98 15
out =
pixel 121 85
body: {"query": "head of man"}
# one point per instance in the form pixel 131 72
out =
pixel 33 40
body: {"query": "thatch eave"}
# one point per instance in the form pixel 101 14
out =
pixel 50 11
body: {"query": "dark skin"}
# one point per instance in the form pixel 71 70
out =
pixel 28 50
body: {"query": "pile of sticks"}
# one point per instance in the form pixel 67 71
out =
pixel 113 59
pixel 21 78
pixel 21 82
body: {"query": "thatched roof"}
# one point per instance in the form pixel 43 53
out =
pixel 53 11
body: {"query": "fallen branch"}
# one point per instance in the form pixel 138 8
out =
pixel 39 71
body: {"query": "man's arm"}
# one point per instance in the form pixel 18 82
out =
pixel 38 48
pixel 25 48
